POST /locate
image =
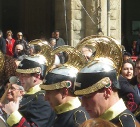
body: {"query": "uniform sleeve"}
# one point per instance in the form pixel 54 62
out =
pixel 41 114
pixel 38 114
pixel 16 120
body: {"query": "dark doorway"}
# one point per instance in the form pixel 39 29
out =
pixel 130 22
pixel 35 18
pixel 10 15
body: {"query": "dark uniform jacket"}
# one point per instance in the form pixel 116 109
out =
pixel 125 119
pixel 34 111
pixel 120 115
pixel 3 45
pixel 128 94
pixel 136 86
pixel 70 116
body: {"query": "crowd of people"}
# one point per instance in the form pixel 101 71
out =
pixel 96 83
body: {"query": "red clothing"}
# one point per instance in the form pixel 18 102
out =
pixel 10 46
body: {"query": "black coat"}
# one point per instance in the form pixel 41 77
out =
pixel 36 111
pixel 2 45
pixel 128 94
pixel 125 119
pixel 71 118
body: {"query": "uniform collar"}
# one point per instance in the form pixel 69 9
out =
pixel 114 110
pixel 34 89
pixel 70 105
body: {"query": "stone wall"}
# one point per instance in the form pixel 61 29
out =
pixel 115 19
pixel 77 21
pixel 85 17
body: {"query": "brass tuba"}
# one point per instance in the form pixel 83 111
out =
pixel 45 50
pixel 73 57
pixel 106 49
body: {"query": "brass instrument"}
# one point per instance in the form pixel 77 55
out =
pixel 74 62
pixel 102 68
pixel 74 57
pixel 45 50
pixel 105 48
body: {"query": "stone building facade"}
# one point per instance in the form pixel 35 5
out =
pixel 75 19
pixel 81 18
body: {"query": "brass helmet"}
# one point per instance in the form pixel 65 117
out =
pixel 64 75
pixel 104 67
pixel 39 61
pixel 42 47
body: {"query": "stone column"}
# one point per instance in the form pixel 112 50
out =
pixel 111 17
pixel 77 21
pixel 115 19
pixel 92 17
pixel 104 16
pixel 85 17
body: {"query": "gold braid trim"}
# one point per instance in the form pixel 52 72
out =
pixel 31 70
pixel 55 86
pixel 95 87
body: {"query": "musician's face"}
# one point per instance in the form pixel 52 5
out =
pixel 27 81
pixel 54 97
pixel 14 92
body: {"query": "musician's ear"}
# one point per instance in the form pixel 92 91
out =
pixel 22 92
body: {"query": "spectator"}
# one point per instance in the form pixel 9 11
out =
pixel 18 51
pixel 20 40
pixel 126 56
pixel 59 41
pixel 10 42
pixel 33 110
pixel 127 92
pixel 2 43
pixel 135 81
pixel 53 35
pixel 127 70
pixel 52 42
pixel 13 91
pixel 134 52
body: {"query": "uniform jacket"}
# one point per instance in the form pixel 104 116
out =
pixel 120 115
pixel 70 114
pixel 34 111
pixel 128 94
pixel 125 119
